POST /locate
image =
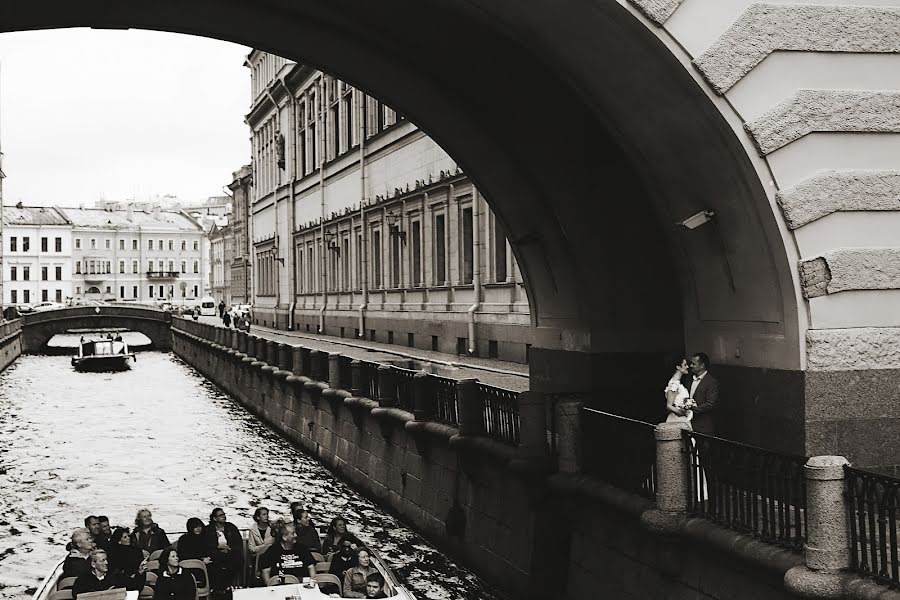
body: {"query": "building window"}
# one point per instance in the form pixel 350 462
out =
pixel 345 252
pixel 196 267
pixel 499 253
pixel 59 273
pixel 466 253
pixel 183 245
pixel 121 291
pixel 108 244
pixel 78 243
pixel 195 244
pixel 90 267
pixel 149 244
pixel 14 296
pixel 160 246
pixel 134 246
pixel 440 250
pixel 151 290
pixel 78 267
pixel 78 290
pixel 171 266
pixel 159 266
pixel 93 244
pixel 171 244
pixel 108 290
pixel 13 243
pixel 45 244
pixel 134 293
pixel 395 260
pixel 108 267
pixel 161 292
pixel 26 273
pixel 122 247
pixel 121 266
pixel 45 295
pixel 13 273
pixel 376 258
pixel 149 266
pixel 416 254
pixel 59 295
pixel 44 274
pixel 26 244
pixel 184 266
pixel 58 244
pixel 26 296
pixel 195 291
pixel 134 266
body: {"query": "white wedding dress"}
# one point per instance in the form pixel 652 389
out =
pixel 682 399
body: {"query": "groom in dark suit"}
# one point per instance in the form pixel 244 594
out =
pixel 704 390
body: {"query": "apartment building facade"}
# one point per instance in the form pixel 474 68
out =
pixel 37 253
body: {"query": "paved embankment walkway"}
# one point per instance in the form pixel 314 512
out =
pixel 508 375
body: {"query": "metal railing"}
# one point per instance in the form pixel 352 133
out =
pixel 747 489
pixel 872 504
pixel 500 410
pixel 405 388
pixel 619 450
pixel 370 387
pixel 443 390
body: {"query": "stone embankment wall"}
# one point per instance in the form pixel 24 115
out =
pixel 501 511
pixel 10 342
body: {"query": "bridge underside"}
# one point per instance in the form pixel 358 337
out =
pixel 591 129
pixel 38 329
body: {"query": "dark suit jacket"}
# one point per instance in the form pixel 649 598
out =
pixel 707 397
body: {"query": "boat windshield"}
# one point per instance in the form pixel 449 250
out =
pixel 103 348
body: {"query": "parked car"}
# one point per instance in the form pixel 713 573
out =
pixel 41 306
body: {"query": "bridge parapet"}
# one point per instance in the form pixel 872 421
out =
pixel 38 328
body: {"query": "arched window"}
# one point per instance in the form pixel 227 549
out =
pixel 93 290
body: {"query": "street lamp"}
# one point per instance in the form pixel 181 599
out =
pixel 393 222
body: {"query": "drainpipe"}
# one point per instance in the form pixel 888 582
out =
pixel 322 150
pixel 364 250
pixel 275 204
pixel 476 267
pixel 292 275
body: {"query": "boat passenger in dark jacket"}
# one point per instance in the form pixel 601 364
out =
pixel 98 578
pixel 147 535
pixel 174 582
pixel 124 559
pixel 227 546
pixel 195 544
pixel 76 563
pixel 307 533
pixel 337 537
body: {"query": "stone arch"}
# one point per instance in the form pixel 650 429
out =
pixel 590 135
pixel 40 327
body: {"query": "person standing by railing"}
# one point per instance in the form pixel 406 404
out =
pixel 705 395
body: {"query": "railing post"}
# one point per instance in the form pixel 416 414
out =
pixel 532 425
pixel 387 386
pixel 827 541
pixel 242 342
pixel 284 356
pixel 672 476
pixel 334 370
pixel 471 410
pixel 234 339
pixel 297 363
pixel 358 384
pixel 568 431
pixel 423 399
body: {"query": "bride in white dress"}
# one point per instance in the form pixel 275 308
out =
pixel 678 399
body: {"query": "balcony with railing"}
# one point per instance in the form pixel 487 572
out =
pixel 162 274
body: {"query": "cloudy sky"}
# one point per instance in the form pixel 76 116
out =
pixel 88 114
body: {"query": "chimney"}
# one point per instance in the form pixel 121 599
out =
pixel 156 211
pixel 129 212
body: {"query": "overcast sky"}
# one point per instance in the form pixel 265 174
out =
pixel 86 114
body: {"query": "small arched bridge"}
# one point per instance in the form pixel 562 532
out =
pixel 38 328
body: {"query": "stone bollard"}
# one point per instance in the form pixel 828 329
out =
pixel 568 431
pixel 423 398
pixel 387 386
pixel 284 357
pixel 827 543
pixel 315 365
pixel 297 360
pixel 271 356
pixel 672 477
pixel 358 385
pixel 532 425
pixel 334 370
pixel 261 349
pixel 471 411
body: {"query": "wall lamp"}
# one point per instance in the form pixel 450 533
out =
pixel 695 221
pixel 275 257
pixel 332 243
pixel 701 218
pixel 393 222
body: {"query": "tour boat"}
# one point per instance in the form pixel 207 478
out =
pixel 55 587
pixel 102 354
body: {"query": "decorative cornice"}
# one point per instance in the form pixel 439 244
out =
pixel 767 28
pixel 807 111
pixel 835 191
pixel 851 269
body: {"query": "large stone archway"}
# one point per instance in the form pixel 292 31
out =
pixel 39 328
pixel 591 128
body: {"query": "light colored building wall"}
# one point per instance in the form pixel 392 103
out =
pixel 57 287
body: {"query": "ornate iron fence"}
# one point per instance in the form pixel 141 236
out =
pixel 619 450
pixel 872 504
pixel 443 390
pixel 748 489
pixel 500 411
pixel 405 388
pixel 369 383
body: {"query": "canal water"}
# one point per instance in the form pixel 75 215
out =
pixel 161 436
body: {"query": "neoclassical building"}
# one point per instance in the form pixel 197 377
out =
pixel 37 255
pixel 362 226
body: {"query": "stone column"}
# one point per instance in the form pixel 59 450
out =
pixel 284 356
pixel 358 385
pixel 672 481
pixel 334 370
pixel 315 365
pixel 297 362
pixel 423 400
pixel 568 432
pixel 271 355
pixel 532 425
pixel 234 339
pixel 242 342
pixel 471 411
pixel 387 386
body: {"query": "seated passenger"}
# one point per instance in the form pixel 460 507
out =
pixel 307 534
pixel 355 578
pixel 342 561
pixel 226 548
pixel 124 559
pixel 76 563
pixel 147 535
pixel 173 583
pixel 287 557
pixel 375 586
pixel 102 540
pixel 338 537
pixel 92 524
pixel 193 544
pixel 98 578
pixel 261 535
